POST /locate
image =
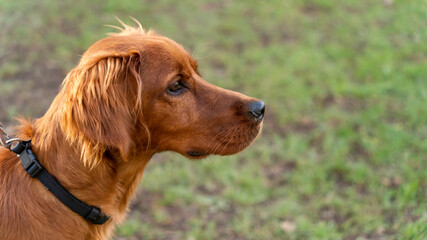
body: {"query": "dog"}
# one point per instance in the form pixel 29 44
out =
pixel 133 94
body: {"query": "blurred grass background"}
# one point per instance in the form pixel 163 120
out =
pixel 343 152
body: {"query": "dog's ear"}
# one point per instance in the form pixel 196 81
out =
pixel 101 102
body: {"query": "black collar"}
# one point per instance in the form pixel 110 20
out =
pixel 36 170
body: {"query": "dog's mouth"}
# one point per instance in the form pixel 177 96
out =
pixel 197 154
pixel 226 141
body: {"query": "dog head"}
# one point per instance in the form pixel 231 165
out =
pixel 137 90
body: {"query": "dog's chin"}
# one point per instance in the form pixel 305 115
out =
pixel 228 145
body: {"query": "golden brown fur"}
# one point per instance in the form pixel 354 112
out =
pixel 111 115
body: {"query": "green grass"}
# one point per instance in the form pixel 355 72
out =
pixel 343 152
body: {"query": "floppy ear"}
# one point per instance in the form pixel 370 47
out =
pixel 99 111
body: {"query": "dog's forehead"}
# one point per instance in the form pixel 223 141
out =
pixel 156 46
pixel 171 50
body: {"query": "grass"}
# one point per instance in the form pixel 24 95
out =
pixel 342 155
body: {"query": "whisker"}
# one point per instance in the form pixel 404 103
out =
pixel 222 141
pixel 226 145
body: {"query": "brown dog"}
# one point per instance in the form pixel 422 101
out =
pixel 132 95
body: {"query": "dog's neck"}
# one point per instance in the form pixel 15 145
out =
pixel 109 185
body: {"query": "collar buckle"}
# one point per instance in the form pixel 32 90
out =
pixel 28 159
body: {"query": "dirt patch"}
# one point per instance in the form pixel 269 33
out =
pixel 314 9
pixel 275 172
pixel 332 214
pixel 174 220
pixel 304 125
pixel 345 103
pixel 358 151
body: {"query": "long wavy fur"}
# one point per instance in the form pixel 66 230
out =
pixel 97 111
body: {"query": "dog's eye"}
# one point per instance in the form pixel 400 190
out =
pixel 175 88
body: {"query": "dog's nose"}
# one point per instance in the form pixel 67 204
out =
pixel 256 109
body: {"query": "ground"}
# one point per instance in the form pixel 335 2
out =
pixel 343 151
